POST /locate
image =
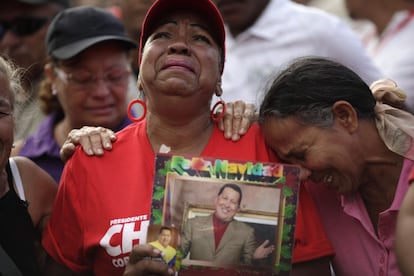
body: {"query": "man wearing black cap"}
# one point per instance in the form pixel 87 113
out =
pixel 23 26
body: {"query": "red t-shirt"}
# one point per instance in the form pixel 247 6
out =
pixel 102 208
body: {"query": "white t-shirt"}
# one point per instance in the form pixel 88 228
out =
pixel 393 53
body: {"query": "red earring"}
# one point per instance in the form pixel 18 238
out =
pixel 216 117
pixel 131 114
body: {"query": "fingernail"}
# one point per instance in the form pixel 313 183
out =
pixel 99 151
pixel 90 152
pixel 108 145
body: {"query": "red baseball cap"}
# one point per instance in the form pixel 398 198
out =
pixel 205 8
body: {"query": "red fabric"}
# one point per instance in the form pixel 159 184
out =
pixel 115 10
pixel 219 228
pixel 311 241
pixel 103 202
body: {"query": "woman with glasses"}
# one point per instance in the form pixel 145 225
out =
pixel 86 82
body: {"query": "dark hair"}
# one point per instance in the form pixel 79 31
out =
pixel 231 186
pixel 164 228
pixel 310 86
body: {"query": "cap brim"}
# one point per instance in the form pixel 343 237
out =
pixel 205 8
pixel 71 50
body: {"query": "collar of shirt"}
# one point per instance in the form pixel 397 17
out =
pixel 349 201
pixel 397 23
pixel 263 27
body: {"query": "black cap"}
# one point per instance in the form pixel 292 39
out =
pixel 75 29
pixel 64 3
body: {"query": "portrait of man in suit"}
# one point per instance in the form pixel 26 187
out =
pixel 219 237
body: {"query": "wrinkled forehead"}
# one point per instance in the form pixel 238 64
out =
pixel 197 20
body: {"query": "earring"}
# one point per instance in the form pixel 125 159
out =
pixel 141 95
pixel 219 106
pixel 131 113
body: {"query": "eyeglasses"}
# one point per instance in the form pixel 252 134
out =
pixel 23 26
pixel 86 80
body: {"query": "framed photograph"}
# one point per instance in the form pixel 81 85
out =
pixel 230 215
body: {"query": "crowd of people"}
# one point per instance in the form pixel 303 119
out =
pixel 86 82
pixel 202 72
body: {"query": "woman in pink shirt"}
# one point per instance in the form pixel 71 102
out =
pixel 321 115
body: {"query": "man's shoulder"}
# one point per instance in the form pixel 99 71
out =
pixel 172 249
pixel 200 220
pixel 154 243
pixel 240 223
pixel 242 226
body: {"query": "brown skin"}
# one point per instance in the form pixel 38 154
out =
pixel 94 140
pixel 404 233
pixel 363 163
pixel 39 188
pixel 239 15
pixel 133 13
pixel 190 83
pixel 40 191
pixel 181 68
pixel 380 12
pixel 103 105
pixel 28 52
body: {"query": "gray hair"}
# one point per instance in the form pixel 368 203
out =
pixel 13 76
pixel 310 86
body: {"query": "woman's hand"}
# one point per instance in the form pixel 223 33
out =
pixel 146 260
pixel 237 120
pixel 93 141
